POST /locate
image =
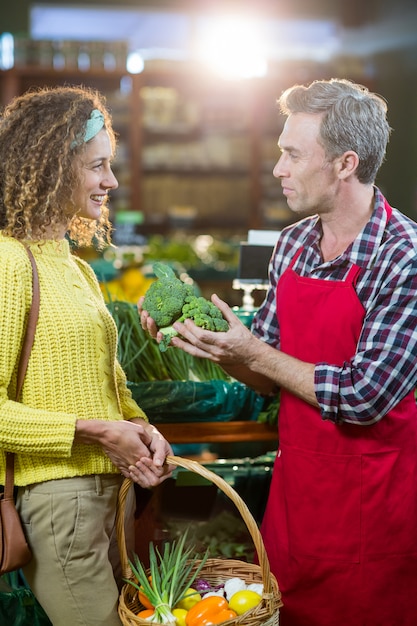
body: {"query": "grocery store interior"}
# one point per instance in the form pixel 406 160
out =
pixel 192 87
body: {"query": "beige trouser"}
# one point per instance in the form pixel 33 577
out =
pixel 70 528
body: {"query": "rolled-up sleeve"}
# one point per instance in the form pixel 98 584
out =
pixel 383 370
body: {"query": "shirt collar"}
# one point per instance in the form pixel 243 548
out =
pixel 364 248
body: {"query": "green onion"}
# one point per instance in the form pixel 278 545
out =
pixel 172 575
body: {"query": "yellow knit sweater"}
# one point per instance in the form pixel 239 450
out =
pixel 73 372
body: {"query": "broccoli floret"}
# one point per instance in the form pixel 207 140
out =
pixel 166 296
pixel 197 305
pixel 220 325
pixel 204 314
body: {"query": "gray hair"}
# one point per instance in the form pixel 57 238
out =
pixel 353 119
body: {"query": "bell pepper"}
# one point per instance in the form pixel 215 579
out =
pixel 209 611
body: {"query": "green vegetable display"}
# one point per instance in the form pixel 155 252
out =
pixel 170 300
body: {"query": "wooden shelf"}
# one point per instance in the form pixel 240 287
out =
pixel 229 197
pixel 218 432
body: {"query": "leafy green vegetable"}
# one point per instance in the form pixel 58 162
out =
pixel 171 574
pixel 269 413
pixel 166 296
pixel 170 300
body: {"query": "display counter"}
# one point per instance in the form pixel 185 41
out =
pixel 218 432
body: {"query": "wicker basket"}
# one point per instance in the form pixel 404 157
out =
pixel 215 571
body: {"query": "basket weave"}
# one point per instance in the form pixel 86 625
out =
pixel 216 571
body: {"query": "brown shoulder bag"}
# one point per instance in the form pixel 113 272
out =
pixel 14 550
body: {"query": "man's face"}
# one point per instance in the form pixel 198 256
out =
pixel 307 177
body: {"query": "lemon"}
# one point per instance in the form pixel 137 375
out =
pixel 190 597
pixel 244 600
pixel 180 615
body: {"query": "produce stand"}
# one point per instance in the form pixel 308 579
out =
pixel 218 432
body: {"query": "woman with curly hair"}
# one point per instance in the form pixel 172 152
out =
pixel 76 431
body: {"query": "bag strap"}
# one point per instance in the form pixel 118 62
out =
pixel 23 364
pixel 30 328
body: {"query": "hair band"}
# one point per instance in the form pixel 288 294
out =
pixel 93 125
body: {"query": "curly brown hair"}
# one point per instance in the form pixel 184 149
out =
pixel 39 140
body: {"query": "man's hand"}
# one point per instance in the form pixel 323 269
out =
pixel 146 321
pixel 225 348
pixel 236 351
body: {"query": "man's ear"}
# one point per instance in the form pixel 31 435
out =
pixel 347 164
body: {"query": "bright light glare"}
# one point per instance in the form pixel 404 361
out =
pixel 135 63
pixel 233 48
pixel 6 51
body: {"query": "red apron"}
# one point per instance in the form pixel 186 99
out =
pixel 340 525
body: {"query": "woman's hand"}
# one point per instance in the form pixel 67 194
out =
pixel 149 471
pixel 135 447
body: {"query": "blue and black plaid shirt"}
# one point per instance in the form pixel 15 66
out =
pixel 384 368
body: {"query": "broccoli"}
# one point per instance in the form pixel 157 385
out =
pixel 204 314
pixel 166 296
pixel 170 300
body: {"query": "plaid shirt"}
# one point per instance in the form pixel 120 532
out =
pixel 384 368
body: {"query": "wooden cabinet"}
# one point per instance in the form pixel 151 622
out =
pixel 194 151
pixel 207 147
pixel 196 166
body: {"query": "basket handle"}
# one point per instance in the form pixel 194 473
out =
pixel 197 468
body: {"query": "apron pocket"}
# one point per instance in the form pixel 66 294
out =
pixel 389 504
pixel 322 494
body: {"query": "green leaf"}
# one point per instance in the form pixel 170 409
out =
pixel 161 270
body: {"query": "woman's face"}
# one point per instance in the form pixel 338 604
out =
pixel 97 177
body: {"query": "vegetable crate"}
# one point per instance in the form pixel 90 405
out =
pixel 216 571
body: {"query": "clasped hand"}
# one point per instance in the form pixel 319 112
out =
pixel 139 450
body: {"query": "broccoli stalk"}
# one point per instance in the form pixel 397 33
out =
pixel 168 333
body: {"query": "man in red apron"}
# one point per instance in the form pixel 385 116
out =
pixel 337 334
